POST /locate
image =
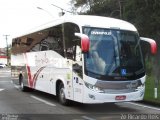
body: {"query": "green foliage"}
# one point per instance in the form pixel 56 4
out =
pixel 105 8
pixel 149 91
pixel 79 3
pixel 148 67
pixel 100 7
pixel 145 15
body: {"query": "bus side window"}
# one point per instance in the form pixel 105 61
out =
pixel 44 45
pixel 74 52
pixel 55 40
pixel 78 55
pixel 77 65
pixel 72 46
pixel 70 40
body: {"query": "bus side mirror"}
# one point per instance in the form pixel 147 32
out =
pixel 152 43
pixel 85 42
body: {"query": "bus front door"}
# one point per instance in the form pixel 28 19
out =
pixel 78 88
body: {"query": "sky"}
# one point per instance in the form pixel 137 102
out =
pixel 19 16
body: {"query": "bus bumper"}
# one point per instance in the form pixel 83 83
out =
pixel 91 97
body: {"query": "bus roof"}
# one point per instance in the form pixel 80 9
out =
pixel 89 21
pixel 99 21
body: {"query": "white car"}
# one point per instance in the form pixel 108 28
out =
pixel 2 65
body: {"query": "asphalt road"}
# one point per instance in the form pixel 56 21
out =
pixel 35 105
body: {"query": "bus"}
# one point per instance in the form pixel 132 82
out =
pixel 82 58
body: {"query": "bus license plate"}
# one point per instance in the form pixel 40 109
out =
pixel 122 97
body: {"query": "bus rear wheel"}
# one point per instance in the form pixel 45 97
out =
pixel 62 96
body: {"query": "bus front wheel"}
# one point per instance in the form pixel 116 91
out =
pixel 62 96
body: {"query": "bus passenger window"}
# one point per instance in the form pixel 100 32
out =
pixel 43 48
pixel 78 69
pixel 44 45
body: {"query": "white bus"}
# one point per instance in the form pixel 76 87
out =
pixel 87 59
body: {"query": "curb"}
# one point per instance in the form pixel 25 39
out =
pixel 150 103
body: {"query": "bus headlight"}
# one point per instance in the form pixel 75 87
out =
pixel 141 87
pixel 94 88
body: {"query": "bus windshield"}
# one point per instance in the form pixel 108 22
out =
pixel 113 54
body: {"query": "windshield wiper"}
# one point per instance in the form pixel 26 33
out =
pixel 140 71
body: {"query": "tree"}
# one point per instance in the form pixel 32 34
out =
pixel 100 7
pixel 145 15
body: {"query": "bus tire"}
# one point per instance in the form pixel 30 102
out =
pixel 61 95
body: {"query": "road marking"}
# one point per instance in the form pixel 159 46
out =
pixel 145 106
pixel 17 86
pixel 4 81
pixel 87 118
pixel 44 101
pixel 1 89
pixel 5 72
pixel 3 76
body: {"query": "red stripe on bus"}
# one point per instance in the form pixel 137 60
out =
pixel 36 76
pixel 30 80
pixel 3 56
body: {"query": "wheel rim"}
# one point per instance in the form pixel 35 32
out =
pixel 62 95
pixel 22 85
